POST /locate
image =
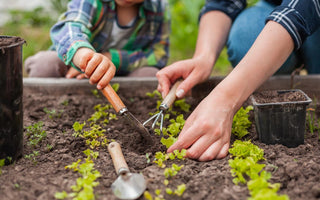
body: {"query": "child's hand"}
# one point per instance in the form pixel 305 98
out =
pixel 72 72
pixel 96 66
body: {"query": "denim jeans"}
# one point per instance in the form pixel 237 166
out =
pixel 246 28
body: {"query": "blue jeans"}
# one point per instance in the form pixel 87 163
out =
pixel 246 28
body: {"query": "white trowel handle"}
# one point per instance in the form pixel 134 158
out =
pixel 171 97
pixel 119 162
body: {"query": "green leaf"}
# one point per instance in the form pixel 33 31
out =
pixel 241 122
pixel 115 86
pixel 180 190
pixel 169 141
pixel 61 195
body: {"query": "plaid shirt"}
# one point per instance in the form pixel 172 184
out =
pixel 300 18
pixel 89 23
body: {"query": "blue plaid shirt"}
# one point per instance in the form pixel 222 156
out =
pixel 89 23
pixel 300 18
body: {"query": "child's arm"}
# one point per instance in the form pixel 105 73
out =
pixel 97 66
pixel 156 54
pixel 73 31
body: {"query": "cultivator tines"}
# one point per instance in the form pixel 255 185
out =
pixel 156 117
pixel 166 103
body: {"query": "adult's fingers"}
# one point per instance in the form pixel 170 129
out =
pixel 224 151
pixel 186 138
pixel 190 80
pixel 164 83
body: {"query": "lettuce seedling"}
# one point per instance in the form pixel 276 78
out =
pixel 245 149
pixel 241 167
pixel 181 103
pixel 180 190
pixel 85 184
pixel 115 86
pixel 172 171
pixel 154 93
pixel 241 122
pixel 169 141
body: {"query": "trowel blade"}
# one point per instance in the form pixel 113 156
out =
pixel 138 126
pixel 129 186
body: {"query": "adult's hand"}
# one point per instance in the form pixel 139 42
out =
pixel 96 66
pixel 206 133
pixel 192 71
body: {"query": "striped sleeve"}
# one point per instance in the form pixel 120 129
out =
pixel 73 30
pixel 300 18
pixel 232 8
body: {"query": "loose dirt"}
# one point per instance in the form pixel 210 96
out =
pixel 297 169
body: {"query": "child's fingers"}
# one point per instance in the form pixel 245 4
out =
pixel 72 73
pixel 81 76
pixel 93 64
pixel 104 81
pixel 98 73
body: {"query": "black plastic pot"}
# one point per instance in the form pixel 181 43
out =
pixel 11 90
pixel 281 122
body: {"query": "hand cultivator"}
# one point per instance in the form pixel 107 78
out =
pixel 165 105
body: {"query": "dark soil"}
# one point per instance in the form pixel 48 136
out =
pixel 7 41
pixel 274 96
pixel 297 169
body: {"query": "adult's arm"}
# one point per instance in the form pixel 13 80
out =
pixel 213 32
pixel 206 134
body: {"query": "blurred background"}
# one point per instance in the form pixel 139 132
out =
pixel 32 20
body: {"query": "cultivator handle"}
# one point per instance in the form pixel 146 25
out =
pixel 118 160
pixel 113 98
pixel 171 97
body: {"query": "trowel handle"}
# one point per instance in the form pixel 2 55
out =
pixel 171 97
pixel 113 98
pixel 118 160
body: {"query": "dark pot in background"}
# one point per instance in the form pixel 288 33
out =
pixel 281 122
pixel 11 90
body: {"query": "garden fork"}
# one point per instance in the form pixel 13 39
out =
pixel 165 105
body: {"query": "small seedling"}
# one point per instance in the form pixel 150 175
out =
pixel 95 92
pixel 53 113
pixel 49 147
pixel 35 134
pixel 245 166
pixel 32 156
pixel 17 186
pixel 148 157
pixel 241 122
pixel 2 162
pixel 65 103
pixel 84 189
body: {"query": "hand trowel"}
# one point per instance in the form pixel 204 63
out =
pixel 128 185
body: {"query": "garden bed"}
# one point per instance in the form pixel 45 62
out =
pixel 42 176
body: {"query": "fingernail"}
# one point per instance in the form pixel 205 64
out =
pixel 180 93
pixel 99 87
pixel 68 76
